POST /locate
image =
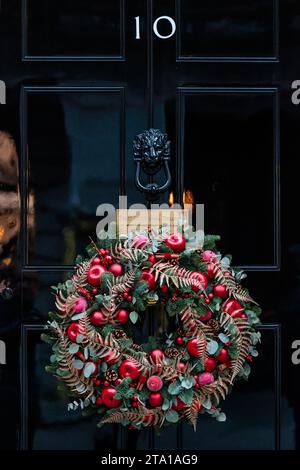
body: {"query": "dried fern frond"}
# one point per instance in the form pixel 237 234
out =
pixel 191 412
pixel 80 278
pixel 219 389
pixel 65 304
pixel 141 415
pixel 73 378
pixel 242 340
pixel 168 273
pixel 119 284
pixel 123 250
pixel 235 290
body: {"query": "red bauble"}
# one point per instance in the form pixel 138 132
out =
pixel 176 242
pixel 210 364
pixel 140 241
pixel 129 369
pixel 94 274
pixel 205 378
pixel 223 355
pixel 208 255
pixel 193 348
pixel 156 355
pixel 210 271
pixel 97 318
pixel 181 366
pixel 108 397
pixel 96 261
pixel 155 399
pixel 99 401
pixel 202 279
pixel 73 331
pixel 116 269
pixel 122 316
pixel 232 306
pixel 151 258
pixel 154 383
pixel 149 278
pixel 221 291
pixel 80 305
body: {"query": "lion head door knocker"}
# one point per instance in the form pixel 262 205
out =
pixel 151 151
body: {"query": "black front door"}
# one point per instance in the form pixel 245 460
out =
pixel 82 79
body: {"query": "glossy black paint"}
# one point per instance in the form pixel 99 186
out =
pixel 79 88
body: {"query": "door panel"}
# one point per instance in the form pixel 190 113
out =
pixel 67 165
pixel 232 30
pixel 241 189
pixel 73 30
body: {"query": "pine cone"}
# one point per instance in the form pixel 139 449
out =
pixel 136 347
pixel 171 353
pixel 214 325
pixel 111 375
pixel 118 334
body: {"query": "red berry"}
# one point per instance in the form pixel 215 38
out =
pixel 179 341
pixel 102 251
pixel 98 382
pixel 207 301
pixel 94 291
pixel 196 378
pixel 118 381
pixel 99 401
pixel 106 383
pixel 129 298
pixel 202 296
pixel 211 295
pixel 164 289
pixel 134 404
pixel 96 260
pixel 197 385
pixel 125 295
pixel 227 274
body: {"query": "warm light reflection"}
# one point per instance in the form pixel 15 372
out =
pixel 171 198
pixel 188 197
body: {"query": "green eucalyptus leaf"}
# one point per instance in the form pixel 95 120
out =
pixel 172 416
pixel 134 316
pixel 73 348
pixel 175 388
pixel 212 347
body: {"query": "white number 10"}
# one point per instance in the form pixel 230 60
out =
pixel 155 27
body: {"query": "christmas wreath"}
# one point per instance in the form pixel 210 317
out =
pixel 175 376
